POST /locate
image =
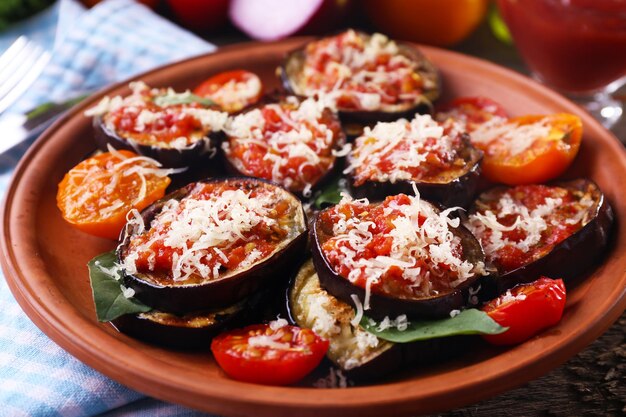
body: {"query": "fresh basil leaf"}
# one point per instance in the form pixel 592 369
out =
pixel 182 98
pixel 330 195
pixel 470 321
pixel 106 288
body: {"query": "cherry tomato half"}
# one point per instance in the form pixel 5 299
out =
pixel 232 90
pixel 263 355
pixel 96 195
pixel 471 111
pixel 526 310
pixel 544 158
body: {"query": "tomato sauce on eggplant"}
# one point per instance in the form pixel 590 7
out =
pixel 519 225
pixel 399 248
pixel 361 72
pixel 291 142
pixel 162 250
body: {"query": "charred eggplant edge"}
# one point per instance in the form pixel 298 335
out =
pixel 571 258
pixel 433 307
pixel 458 192
pixel 181 299
pixel 169 157
pixel 363 117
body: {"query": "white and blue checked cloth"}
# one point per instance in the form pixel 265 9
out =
pixel 91 48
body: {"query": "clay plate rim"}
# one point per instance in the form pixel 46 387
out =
pixel 46 305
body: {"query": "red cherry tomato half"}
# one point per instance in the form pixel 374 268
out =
pixel 526 310
pixel 545 156
pixel 470 111
pixel 263 355
pixel 232 90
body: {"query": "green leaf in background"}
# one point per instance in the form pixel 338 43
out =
pixel 330 195
pixel 498 27
pixel 471 321
pixel 107 293
pixel 182 98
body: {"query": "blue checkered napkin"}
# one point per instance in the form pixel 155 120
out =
pixel 112 41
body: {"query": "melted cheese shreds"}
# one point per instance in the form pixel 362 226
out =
pixel 432 241
pixel 196 229
pixel 402 146
pixel 531 222
pixel 301 138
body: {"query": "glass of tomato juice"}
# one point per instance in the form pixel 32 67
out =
pixel 577 47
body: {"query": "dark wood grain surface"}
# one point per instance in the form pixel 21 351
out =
pixel 592 383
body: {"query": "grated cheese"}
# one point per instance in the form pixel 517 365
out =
pixel 401 147
pixel 301 139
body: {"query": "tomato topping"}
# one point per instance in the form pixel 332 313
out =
pixel 418 150
pixel 96 195
pixel 269 354
pixel 232 90
pixel 290 143
pixel 361 72
pixel 528 149
pixel 470 112
pixel 159 117
pixel 215 228
pixel 526 310
pixel 400 248
pixel 519 225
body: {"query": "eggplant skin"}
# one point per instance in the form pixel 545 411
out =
pixel 433 307
pixel 153 327
pixel 355 120
pixel 574 256
pixel 455 192
pixel 373 363
pixel 222 292
pixel 199 153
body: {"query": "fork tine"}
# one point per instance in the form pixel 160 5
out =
pixel 26 80
pixel 19 65
pixel 16 47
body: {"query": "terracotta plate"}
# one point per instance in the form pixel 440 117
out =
pixel 45 264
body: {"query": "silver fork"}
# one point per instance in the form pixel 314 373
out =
pixel 20 65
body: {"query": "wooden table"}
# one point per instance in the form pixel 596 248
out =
pixel 593 383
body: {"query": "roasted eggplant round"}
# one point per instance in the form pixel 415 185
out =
pixel 359 354
pixel 211 244
pixel 440 161
pixel 559 231
pixel 400 256
pixel 174 128
pixel 190 331
pixel 288 140
pixel 346 70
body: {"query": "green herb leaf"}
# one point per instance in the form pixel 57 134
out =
pixel 107 293
pixel 330 195
pixel 471 321
pixel 182 98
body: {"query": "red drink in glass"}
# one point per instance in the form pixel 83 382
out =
pixel 572 45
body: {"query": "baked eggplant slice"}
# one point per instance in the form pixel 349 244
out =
pixel 399 256
pixel 559 230
pixel 359 354
pixel 211 244
pixel 391 157
pixel 291 141
pixel 190 331
pixel 368 78
pixel 176 129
